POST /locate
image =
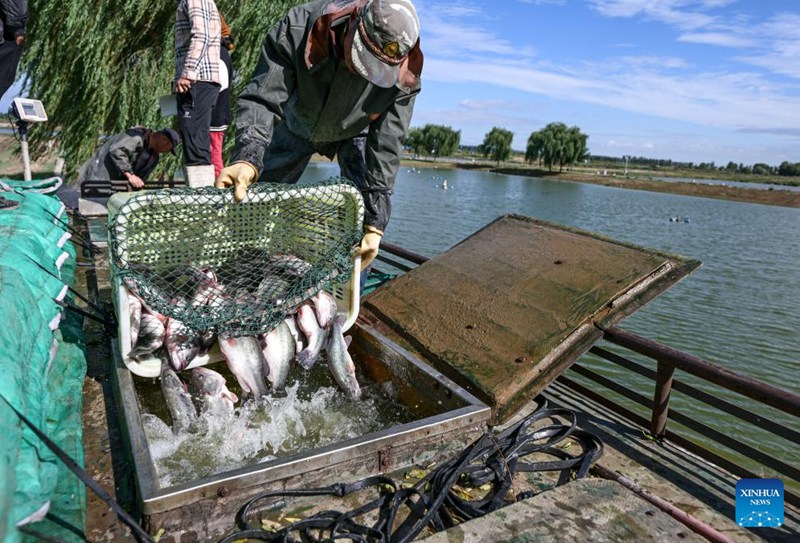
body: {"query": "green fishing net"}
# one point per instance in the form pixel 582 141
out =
pixel 194 255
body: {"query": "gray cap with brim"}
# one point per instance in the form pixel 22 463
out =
pixel 387 31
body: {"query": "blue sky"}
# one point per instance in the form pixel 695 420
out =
pixel 688 80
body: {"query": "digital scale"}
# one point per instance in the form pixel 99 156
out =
pixel 26 111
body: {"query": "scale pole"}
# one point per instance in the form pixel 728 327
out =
pixel 26 159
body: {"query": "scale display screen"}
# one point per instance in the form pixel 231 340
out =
pixel 29 110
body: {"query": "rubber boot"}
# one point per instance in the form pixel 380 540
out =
pixel 200 176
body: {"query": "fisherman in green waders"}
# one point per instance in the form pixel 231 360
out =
pixel 339 78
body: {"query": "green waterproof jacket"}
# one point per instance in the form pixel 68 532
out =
pixel 128 151
pixel 300 81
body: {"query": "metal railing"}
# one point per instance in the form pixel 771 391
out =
pixel 667 361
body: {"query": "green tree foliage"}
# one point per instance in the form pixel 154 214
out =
pixel 100 67
pixel 433 140
pixel 415 141
pixel 760 168
pixel 535 149
pixel 789 169
pixel 497 144
pixel 557 145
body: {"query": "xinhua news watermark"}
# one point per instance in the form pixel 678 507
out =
pixel 759 503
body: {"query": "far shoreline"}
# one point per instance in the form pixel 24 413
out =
pixel 776 197
pixel 636 180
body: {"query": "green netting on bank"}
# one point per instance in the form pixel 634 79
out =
pixel 42 186
pixel 43 364
pixel 234 268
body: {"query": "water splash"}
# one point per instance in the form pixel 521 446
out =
pixel 308 415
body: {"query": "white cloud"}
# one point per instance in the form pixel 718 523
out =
pixel 738 94
pixel 685 14
pixel 721 39
pixel 455 9
pixel 454 30
pixel 544 2
pixel 663 86
pixel 473 116
pixel 628 146
pixel 781 50
pixel 649 61
pixel 739 101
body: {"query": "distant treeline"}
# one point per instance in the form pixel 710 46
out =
pixel 558 145
pixel 786 168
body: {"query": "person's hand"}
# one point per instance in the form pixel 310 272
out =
pixel 135 181
pixel 183 85
pixel 368 248
pixel 238 175
pixel 19 39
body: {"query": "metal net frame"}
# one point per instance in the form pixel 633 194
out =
pixel 236 269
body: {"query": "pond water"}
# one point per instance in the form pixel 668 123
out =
pixel 741 309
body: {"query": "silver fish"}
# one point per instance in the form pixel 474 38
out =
pixel 272 290
pixel 206 289
pixel 317 336
pixel 135 312
pixel 244 358
pixel 179 401
pixel 210 388
pixel 150 337
pixel 182 344
pixel 278 348
pixel 325 308
pixel 153 312
pixel 290 265
pixel 207 341
pixel 291 322
pixel 340 363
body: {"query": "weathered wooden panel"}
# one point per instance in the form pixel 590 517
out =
pixel 508 309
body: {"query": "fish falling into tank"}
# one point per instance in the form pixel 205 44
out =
pixel 260 363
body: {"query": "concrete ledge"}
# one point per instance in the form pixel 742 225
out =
pixel 594 510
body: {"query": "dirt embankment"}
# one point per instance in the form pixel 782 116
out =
pixel 637 180
pixel 777 197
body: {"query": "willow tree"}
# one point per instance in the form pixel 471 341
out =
pixel 497 144
pixel 557 145
pixel 100 67
pixel 433 139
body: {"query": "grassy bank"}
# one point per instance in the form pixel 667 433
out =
pixel 777 197
pixel 642 180
pixel 11 161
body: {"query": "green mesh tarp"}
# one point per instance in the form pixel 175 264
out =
pixel 41 186
pixel 234 268
pixel 43 365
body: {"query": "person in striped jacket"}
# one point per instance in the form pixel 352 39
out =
pixel 197 82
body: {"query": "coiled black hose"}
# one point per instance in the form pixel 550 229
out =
pixel 492 459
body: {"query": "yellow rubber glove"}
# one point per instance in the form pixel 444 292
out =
pixel 238 175
pixel 370 243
